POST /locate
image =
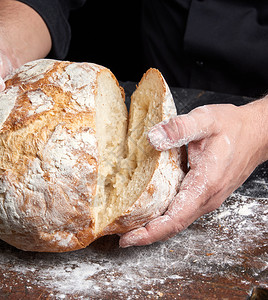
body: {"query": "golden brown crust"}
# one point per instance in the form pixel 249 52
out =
pixel 49 159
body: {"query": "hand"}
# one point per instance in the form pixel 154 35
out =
pixel 225 144
pixel 6 68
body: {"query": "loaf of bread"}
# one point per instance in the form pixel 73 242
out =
pixel 73 165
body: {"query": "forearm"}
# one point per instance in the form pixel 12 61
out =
pixel 256 114
pixel 24 35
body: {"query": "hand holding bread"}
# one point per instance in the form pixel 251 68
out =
pixel 225 144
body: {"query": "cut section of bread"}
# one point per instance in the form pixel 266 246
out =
pixel 72 166
pixel 146 179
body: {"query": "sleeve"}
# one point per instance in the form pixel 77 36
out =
pixel 55 14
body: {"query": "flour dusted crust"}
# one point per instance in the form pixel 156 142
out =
pixel 48 153
pixel 49 159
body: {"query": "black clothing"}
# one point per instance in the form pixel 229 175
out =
pixel 218 45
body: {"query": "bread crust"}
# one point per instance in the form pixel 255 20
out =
pixel 49 157
pixel 49 160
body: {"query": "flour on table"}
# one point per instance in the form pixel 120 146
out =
pixel 210 246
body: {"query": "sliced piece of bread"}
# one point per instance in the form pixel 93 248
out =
pixel 72 166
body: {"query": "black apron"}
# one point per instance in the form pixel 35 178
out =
pixel 218 45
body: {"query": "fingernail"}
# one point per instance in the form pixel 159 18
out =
pixel 125 244
pixel 128 242
pixel 131 238
pixel 157 137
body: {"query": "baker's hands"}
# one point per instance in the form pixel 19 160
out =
pixel 6 68
pixel 225 144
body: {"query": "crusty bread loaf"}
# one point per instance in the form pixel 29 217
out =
pixel 72 166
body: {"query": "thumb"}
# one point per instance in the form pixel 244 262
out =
pixel 181 130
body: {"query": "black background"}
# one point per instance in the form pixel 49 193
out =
pixel 108 33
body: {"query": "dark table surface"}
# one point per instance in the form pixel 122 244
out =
pixel 223 255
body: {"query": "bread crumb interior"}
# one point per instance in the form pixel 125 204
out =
pixel 127 160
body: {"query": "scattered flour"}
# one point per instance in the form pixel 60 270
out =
pixel 212 245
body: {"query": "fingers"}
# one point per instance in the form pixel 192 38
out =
pixel 161 228
pixel 156 230
pixel 187 206
pixel 183 129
